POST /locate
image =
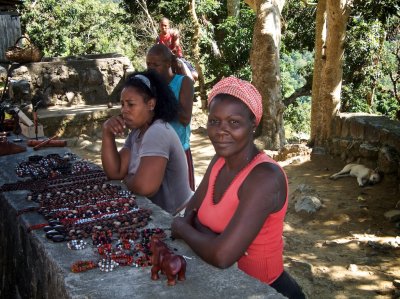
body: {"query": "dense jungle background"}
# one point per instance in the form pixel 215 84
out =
pixel 371 50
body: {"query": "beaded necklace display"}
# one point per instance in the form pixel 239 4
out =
pixel 77 200
pixel 39 183
pixel 37 166
pixel 125 252
pixel 78 203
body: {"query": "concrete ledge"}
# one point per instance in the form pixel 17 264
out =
pixel 71 122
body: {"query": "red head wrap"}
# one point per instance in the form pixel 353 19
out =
pixel 242 90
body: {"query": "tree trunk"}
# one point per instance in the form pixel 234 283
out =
pixel 252 4
pixel 196 53
pixel 319 65
pixel 264 60
pixel 233 7
pixel 332 16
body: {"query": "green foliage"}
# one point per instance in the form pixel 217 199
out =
pixel 295 68
pixel 205 10
pixel 298 26
pixel 353 99
pixel 234 39
pixel 79 27
pixel 386 103
pixel 232 36
pixel 177 12
pixel 363 44
pixel 381 11
pixel 361 69
pixel 297 116
pixel 372 32
pixel 63 28
pixel 369 60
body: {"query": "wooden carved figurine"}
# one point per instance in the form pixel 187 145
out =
pixel 164 260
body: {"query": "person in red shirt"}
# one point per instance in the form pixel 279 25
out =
pixel 170 38
pixel 237 212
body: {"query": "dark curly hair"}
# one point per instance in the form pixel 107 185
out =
pixel 166 107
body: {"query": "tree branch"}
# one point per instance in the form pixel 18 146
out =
pixel 305 90
pixel 143 5
pixel 301 92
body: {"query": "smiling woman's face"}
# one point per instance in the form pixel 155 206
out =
pixel 230 125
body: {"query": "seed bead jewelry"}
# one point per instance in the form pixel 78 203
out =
pixel 107 265
pixel 122 259
pixel 76 244
pixel 82 266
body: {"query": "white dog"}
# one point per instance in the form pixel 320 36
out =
pixel 363 174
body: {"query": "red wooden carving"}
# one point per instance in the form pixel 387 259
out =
pixel 163 259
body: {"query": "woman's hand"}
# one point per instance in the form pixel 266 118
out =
pixel 180 223
pixel 115 126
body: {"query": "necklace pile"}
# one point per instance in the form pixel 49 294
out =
pixel 133 252
pixel 84 210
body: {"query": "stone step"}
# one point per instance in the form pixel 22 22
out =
pixel 69 122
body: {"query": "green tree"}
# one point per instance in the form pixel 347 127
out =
pixel 144 15
pixel 233 38
pixel 296 69
pixel 370 53
pixel 63 28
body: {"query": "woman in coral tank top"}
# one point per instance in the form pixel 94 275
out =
pixel 237 212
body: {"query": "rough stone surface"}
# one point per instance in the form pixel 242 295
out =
pixel 20 89
pixel 91 79
pixel 292 150
pixel 396 283
pixel 75 121
pixel 368 151
pixel 388 160
pixel 367 139
pixel 305 199
pixel 309 204
pixel 393 215
pixel 3 73
pixel 95 148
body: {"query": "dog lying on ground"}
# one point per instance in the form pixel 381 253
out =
pixel 363 174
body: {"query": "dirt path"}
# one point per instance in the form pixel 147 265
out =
pixel 347 249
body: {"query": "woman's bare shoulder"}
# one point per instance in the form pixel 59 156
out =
pixel 268 186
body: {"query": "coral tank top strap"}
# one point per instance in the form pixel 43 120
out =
pixel 217 216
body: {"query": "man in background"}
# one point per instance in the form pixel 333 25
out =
pixel 159 59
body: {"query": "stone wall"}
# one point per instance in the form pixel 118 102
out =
pixel 75 80
pixel 368 139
